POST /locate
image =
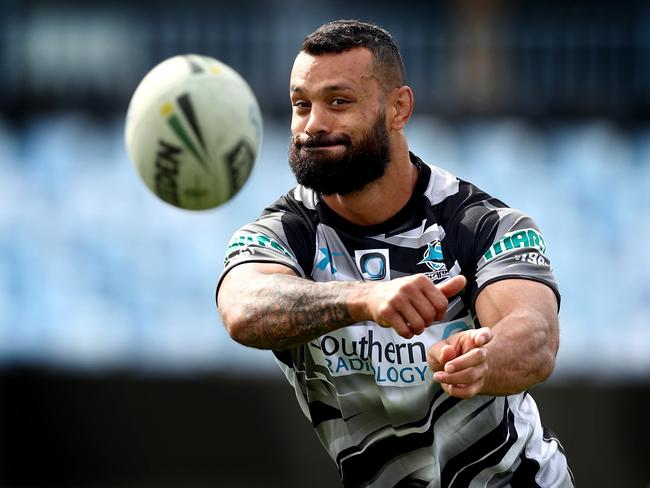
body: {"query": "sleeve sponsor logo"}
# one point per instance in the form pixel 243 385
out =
pixel 374 264
pixel 244 243
pixel 533 258
pixel 519 239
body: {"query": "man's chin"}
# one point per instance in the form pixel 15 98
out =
pixel 335 188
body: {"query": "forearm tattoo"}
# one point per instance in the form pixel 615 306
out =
pixel 287 311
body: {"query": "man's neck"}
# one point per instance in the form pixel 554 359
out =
pixel 381 199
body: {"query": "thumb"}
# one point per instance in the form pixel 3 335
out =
pixel 481 336
pixel 451 287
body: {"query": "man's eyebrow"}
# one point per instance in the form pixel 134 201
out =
pixel 331 88
pixel 328 88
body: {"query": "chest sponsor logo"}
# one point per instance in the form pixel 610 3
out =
pixel 374 264
pixel 519 239
pixel 434 260
pixel 393 361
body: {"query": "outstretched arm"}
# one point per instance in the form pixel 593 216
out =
pixel 515 350
pixel 268 306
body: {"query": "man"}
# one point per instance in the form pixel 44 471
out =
pixel 410 310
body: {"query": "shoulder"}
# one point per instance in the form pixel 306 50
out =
pixel 471 218
pixel 283 233
pixel 296 209
pixel 456 201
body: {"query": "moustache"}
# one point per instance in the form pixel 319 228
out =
pixel 320 140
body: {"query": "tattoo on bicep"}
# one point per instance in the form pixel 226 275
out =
pixel 294 311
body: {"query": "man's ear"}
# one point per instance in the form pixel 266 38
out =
pixel 401 107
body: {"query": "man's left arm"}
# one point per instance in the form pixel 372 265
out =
pixel 514 350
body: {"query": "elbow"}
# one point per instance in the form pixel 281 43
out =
pixel 235 329
pixel 546 367
pixel 547 356
pixel 549 352
pixel 236 323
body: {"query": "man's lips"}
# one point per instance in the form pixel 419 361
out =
pixel 323 147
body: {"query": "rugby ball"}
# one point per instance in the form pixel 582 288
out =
pixel 193 131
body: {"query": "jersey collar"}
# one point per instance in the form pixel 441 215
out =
pixel 411 214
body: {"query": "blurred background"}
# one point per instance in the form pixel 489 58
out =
pixel 115 369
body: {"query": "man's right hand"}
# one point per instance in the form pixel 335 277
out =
pixel 407 304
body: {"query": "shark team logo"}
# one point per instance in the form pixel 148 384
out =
pixel 434 260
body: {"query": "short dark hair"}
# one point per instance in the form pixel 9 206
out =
pixel 342 35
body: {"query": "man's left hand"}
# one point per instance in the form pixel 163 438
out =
pixel 460 362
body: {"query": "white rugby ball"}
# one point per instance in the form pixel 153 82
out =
pixel 193 131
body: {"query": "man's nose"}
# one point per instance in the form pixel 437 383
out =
pixel 318 122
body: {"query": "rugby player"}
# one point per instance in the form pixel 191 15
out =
pixel 410 310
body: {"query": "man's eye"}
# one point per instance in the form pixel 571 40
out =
pixel 300 104
pixel 339 101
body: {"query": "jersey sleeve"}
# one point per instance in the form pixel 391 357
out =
pixel 278 236
pixel 498 243
pixel 510 245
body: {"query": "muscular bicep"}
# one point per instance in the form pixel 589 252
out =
pixel 517 296
pixel 237 278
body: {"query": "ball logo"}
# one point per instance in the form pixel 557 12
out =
pixel 374 264
pixel 240 159
pixel 167 163
pixel 185 103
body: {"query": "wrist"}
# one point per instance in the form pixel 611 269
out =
pixel 357 302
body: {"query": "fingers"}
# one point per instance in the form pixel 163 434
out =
pixel 411 304
pixel 425 310
pixel 438 301
pixel 453 286
pixel 464 369
pixel 481 336
pixel 438 295
pixel 439 354
pixel 413 318
pixel 463 374
pixel 472 339
pixel 447 354
pixel 396 321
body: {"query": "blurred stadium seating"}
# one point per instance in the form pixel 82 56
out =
pixel 544 106
pixel 114 367
pixel 97 273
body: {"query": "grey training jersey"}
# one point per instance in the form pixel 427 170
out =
pixel 367 391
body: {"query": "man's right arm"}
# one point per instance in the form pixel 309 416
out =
pixel 268 306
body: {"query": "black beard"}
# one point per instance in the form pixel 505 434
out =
pixel 361 163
